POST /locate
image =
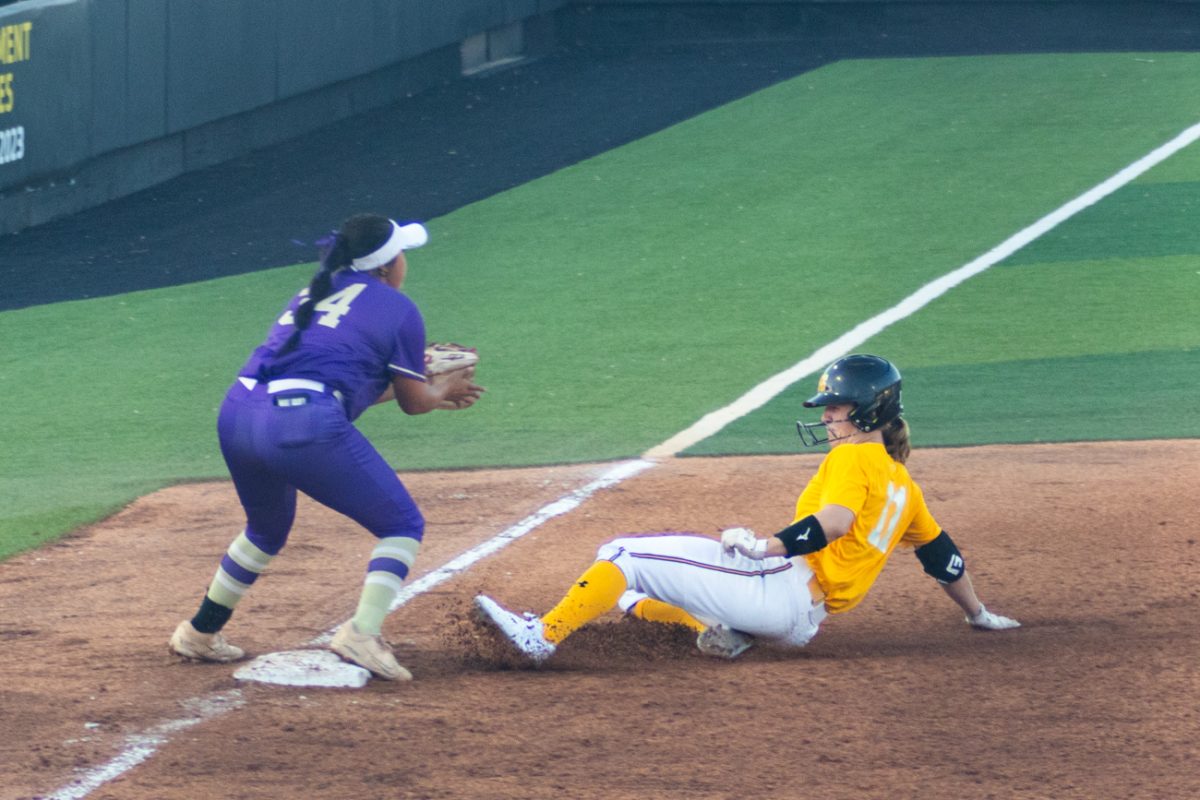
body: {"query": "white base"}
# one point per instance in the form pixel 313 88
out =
pixel 304 668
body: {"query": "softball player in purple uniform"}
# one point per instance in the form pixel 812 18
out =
pixel 347 341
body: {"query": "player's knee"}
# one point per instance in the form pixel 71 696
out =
pixel 608 551
pixel 617 552
pixel 410 524
pixel 270 539
pixel 415 527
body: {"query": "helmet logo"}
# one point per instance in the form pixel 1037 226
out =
pixel 823 383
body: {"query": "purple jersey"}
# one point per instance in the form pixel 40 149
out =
pixel 362 334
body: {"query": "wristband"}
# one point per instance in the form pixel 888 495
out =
pixel 803 537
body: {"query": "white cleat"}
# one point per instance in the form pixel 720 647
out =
pixel 524 631
pixel 721 641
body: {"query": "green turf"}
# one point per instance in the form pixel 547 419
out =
pixel 1081 398
pixel 617 301
pixel 1113 344
pixel 1141 219
pixel 1182 167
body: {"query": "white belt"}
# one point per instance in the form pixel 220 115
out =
pixel 284 385
pixel 290 385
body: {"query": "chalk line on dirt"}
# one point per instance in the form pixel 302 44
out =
pixel 281 668
pixel 140 747
pixel 563 505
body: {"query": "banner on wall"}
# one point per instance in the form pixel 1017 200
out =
pixel 15 50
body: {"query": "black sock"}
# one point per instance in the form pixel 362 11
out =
pixel 211 617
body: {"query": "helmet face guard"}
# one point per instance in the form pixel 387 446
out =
pixel 812 433
pixel 870 385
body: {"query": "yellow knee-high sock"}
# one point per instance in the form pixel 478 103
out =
pixel 596 591
pixel 653 610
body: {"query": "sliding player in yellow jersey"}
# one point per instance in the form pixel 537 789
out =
pixel 856 510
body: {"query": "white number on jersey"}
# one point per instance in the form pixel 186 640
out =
pixel 881 535
pixel 333 308
pixel 288 318
pixel 337 305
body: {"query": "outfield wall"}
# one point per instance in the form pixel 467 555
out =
pixel 101 99
pixel 894 27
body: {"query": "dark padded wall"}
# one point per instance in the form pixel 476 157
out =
pixel 129 77
pixel 45 91
pixel 221 59
pixel 101 99
pixel 98 99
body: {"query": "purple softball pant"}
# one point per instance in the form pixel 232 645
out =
pixel 277 443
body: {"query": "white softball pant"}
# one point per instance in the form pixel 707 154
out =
pixel 768 598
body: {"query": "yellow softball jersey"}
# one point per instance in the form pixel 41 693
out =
pixel 888 509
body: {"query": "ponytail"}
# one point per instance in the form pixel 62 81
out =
pixel 895 440
pixel 359 235
pixel 334 255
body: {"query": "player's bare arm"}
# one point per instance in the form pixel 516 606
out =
pixel 448 391
pixel 962 592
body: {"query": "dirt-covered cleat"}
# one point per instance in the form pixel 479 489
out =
pixel 524 631
pixel 371 653
pixel 721 641
pixel 191 643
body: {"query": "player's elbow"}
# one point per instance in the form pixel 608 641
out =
pixel 413 407
pixel 415 397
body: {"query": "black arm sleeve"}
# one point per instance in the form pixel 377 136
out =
pixel 941 559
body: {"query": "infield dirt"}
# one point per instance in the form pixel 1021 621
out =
pixel 1092 546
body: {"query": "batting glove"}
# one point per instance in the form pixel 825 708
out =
pixel 986 620
pixel 743 540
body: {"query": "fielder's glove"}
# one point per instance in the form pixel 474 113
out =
pixel 446 356
pixel 743 540
pixel 986 620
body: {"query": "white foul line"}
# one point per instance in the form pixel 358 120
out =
pixel 139 747
pixel 764 392
pixel 563 505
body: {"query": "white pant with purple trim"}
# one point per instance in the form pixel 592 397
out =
pixel 768 598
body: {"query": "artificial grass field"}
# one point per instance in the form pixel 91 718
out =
pixel 617 301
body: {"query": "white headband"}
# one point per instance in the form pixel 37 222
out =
pixel 404 237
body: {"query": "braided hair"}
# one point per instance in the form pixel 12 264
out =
pixel 359 235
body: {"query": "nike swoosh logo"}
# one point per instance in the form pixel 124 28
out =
pixel 804 538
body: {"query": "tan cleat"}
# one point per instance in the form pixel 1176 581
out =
pixel 191 643
pixel 369 652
